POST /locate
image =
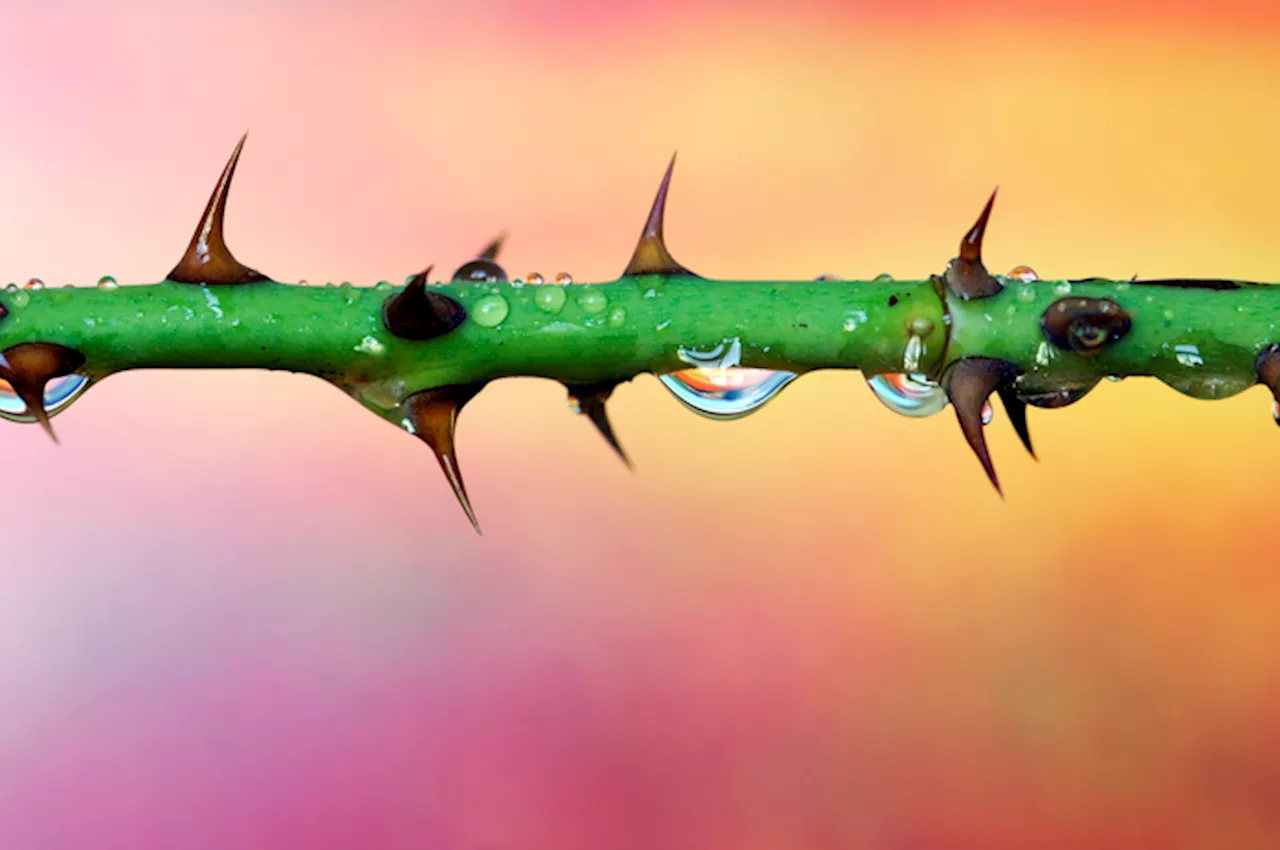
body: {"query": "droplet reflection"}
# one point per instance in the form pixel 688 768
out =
pixel 59 393
pixel 718 388
pixel 907 394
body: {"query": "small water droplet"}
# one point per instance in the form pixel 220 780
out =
pixel 480 271
pixel 988 413
pixel 592 301
pixel 535 279
pixel 1122 286
pixel 564 278
pixel 575 405
pixel 489 311
pixel 35 283
pixel 1026 294
pixel 1024 274
pixel 1188 355
pixel 13 287
pixel 883 277
pixel 909 395
pixel 108 283
pixel 19 299
pixel 59 393
pixel 381 285
pixel 1062 287
pixel 828 277
pixel 549 299
pixel 617 317
pixel 1045 353
pixel 718 388
pixel 303 283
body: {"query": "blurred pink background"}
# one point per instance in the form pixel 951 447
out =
pixel 238 611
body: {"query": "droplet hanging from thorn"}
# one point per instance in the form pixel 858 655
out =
pixel 988 413
pixel 29 367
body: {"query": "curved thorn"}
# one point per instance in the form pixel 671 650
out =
pixel 966 276
pixel 971 245
pixel 491 251
pixel 591 400
pixel 420 313
pixel 1017 410
pixel 969 383
pixel 433 415
pixel 1267 369
pixel 651 255
pixel 208 260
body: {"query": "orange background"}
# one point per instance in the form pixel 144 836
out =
pixel 236 610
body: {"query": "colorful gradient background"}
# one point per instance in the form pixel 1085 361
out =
pixel 237 611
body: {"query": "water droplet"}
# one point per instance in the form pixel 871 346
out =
pixel 883 277
pixel 35 283
pixel 480 271
pixel 549 299
pixel 828 277
pixel 854 319
pixel 1045 353
pixel 1025 274
pixel 564 278
pixel 912 353
pixel 1208 386
pixel 909 395
pixel 1026 294
pixel 489 311
pixel 988 413
pixel 1188 355
pixel 592 301
pixel 720 389
pixel 1062 287
pixel 1122 286
pixel 303 283
pixel 59 393
pixel 535 279
pixel 1167 313
pixel 382 284
pixel 13 287
pixel 617 317
pixel 575 405
pixel 108 283
pixel 19 299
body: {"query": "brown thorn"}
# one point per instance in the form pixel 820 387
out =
pixel 208 260
pixel 1017 410
pixel 966 276
pixel 651 255
pixel 433 415
pixel 969 382
pixel 591 400
pixel 1267 368
pixel 491 251
pixel 420 313
pixel 29 366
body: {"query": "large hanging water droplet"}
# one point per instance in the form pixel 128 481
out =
pixel 907 394
pixel 59 393
pixel 718 388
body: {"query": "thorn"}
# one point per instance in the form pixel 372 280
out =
pixel 434 414
pixel 1268 371
pixel 591 400
pixel 490 251
pixel 1017 410
pixel 966 276
pixel 971 245
pixel 651 255
pixel 208 260
pixel 419 313
pixel 969 382
pixel 29 366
